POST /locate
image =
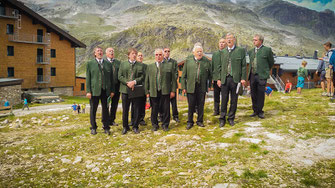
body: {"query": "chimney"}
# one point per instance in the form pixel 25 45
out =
pixel 315 56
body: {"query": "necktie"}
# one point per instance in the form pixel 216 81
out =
pixel 254 65
pixel 159 76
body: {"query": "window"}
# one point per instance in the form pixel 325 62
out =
pixel 274 72
pixel 10 50
pixel 82 87
pixel 39 55
pixel 2 9
pixel 53 53
pixel 53 71
pixel 39 35
pixel 10 29
pixel 10 71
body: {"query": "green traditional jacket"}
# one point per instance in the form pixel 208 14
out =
pixel 175 63
pixel 95 80
pixel 216 65
pixel 115 65
pixel 190 72
pixel 128 72
pixel 168 79
pixel 264 59
pixel 238 64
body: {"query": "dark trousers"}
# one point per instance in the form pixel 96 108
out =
pixel 125 110
pixel 229 88
pixel 161 103
pixel 175 113
pixel 217 95
pixel 114 105
pixel 142 110
pixel 257 87
pixel 334 81
pixel 196 99
pixel 94 103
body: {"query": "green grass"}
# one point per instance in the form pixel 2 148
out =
pixel 199 157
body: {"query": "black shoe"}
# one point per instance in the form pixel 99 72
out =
pixel 125 130
pixel 107 132
pixel 189 126
pixel 200 124
pixel 176 120
pixel 222 124
pixel 93 131
pixel 216 113
pixel 165 128
pixel 143 123
pixel 261 115
pixel 155 127
pixel 231 122
pixel 253 114
pixel 136 130
pixel 114 124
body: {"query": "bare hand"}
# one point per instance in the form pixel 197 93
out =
pixel 172 94
pixel 131 84
pixel 112 95
pixel 148 95
pixel 184 91
pixel 89 95
pixel 243 82
pixel 219 83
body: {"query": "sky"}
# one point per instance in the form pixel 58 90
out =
pixel 318 5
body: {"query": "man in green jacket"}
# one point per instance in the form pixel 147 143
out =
pixel 131 73
pixel 160 86
pixel 216 66
pixel 195 80
pixel 261 62
pixel 99 85
pixel 115 65
pixel 233 71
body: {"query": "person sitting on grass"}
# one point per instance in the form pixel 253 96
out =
pixel 288 86
pixel 302 74
pixel 74 108
pixel 268 91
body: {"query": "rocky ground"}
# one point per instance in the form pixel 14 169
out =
pixel 293 147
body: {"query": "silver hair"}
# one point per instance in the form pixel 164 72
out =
pixel 196 47
pixel 158 49
pixel 231 34
pixel 260 37
pixel 108 49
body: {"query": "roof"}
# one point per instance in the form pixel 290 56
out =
pixel 52 27
pixel 293 63
pixel 80 77
pixel 10 82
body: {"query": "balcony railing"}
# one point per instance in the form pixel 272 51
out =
pixel 31 39
pixel 42 60
pixel 9 13
pixel 42 79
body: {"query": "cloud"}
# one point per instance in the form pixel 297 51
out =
pixel 318 5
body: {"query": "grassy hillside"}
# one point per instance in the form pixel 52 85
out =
pixel 292 147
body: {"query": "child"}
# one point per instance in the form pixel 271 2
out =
pixel 74 107
pixel 25 104
pixel 78 108
pixel 6 103
pixel 83 107
pixel 288 86
pixel 268 91
pixel 302 74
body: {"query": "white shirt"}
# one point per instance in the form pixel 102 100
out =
pixel 110 60
pixel 231 49
pixel 256 49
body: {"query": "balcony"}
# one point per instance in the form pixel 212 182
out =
pixel 42 79
pixel 30 39
pixel 42 60
pixel 9 13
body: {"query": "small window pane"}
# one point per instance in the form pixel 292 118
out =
pixel 10 29
pixel 53 71
pixel 82 86
pixel 10 71
pixel 10 50
pixel 53 53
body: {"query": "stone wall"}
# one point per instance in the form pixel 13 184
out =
pixel 11 93
pixel 67 91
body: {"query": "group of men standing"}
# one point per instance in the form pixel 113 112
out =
pixel 158 81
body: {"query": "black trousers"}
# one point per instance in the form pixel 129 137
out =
pixel 94 103
pixel 257 87
pixel 142 110
pixel 229 88
pixel 196 99
pixel 114 105
pixel 161 103
pixel 175 113
pixel 217 95
pixel 334 81
pixel 125 110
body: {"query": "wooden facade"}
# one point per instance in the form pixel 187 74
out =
pixel 80 87
pixel 35 50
